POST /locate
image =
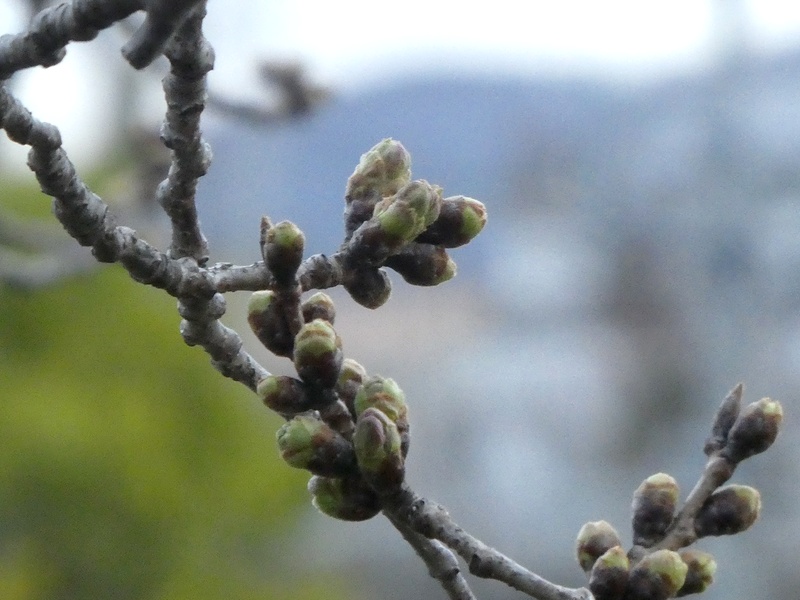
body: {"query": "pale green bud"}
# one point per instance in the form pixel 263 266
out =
pixel 318 354
pixel 382 170
pixel 348 499
pixel 700 574
pixel 657 576
pixel 318 306
pixel 266 320
pixel 306 442
pixel 408 213
pixel 284 250
pixel 609 575
pixel 460 220
pixel 378 450
pixel 351 377
pixel 595 539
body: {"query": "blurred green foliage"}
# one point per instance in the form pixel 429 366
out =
pixel 130 468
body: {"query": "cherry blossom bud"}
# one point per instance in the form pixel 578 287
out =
pixel 595 539
pixel 609 575
pixel 657 576
pixel 351 376
pixel 370 287
pixel 267 321
pixel 381 172
pixel 409 212
pixel 318 354
pixel 318 306
pixel 284 251
pixel 285 395
pixel 306 442
pixel 385 395
pixel 384 169
pixel 654 503
pixel 460 220
pixel 377 446
pixel 755 430
pixel 348 499
pixel 730 510
pixel 423 264
pixel 701 569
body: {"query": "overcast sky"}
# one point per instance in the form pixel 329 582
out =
pixel 352 44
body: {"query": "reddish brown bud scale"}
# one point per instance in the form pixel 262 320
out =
pixel 423 264
pixel 754 430
pixel 730 510
pixel 724 420
pixel 654 503
pixel 370 287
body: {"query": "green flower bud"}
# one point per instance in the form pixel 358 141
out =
pixel 284 251
pixel 377 445
pixel 318 354
pixel 731 509
pixel 318 306
pixel 408 213
pixel 724 420
pixel 658 576
pixel 348 499
pixel 384 169
pixel 306 442
pixel 267 321
pixel 654 503
pixel 460 220
pixel 595 539
pixel 609 575
pixel 755 430
pixel 369 287
pixel 701 569
pixel 285 395
pixel 385 395
pixel 423 264
pixel 351 377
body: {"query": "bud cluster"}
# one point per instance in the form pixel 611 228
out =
pixel 406 225
pixel 349 430
pixel 654 569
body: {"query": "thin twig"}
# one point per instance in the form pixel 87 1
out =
pixel 441 563
pixel 432 521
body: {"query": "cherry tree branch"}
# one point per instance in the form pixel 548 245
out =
pixel 432 520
